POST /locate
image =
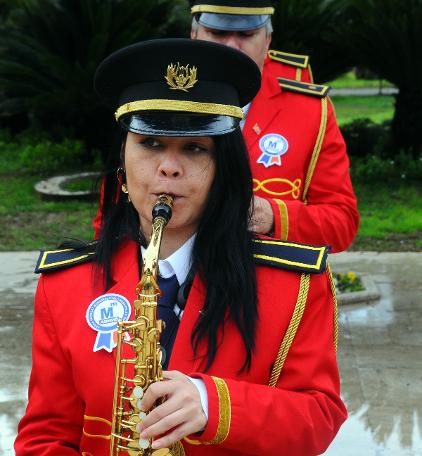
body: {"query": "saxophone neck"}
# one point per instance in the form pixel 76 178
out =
pixel 161 214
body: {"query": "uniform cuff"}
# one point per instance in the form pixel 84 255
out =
pixel 281 219
pixel 219 412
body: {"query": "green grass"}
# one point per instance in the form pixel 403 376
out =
pixel 27 222
pixel 378 109
pixel 349 80
pixel 391 216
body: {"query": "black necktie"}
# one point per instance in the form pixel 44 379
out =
pixel 169 288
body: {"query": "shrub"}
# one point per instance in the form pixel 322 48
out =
pixel 374 168
pixel 25 154
pixel 47 157
pixel 364 137
pixel 372 156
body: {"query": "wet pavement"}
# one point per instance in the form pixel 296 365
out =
pixel 379 354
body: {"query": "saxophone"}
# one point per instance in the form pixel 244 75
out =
pixel 142 334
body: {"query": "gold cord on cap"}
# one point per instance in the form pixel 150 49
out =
pixel 231 9
pixel 179 105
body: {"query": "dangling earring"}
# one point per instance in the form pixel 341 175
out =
pixel 120 174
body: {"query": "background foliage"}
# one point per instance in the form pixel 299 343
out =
pixel 311 27
pixel 51 121
pixel 50 49
pixel 50 52
pixel 385 37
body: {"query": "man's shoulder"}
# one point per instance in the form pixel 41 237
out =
pixel 287 58
pixel 303 88
pixel 288 65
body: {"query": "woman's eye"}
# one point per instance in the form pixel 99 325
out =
pixel 150 142
pixel 196 148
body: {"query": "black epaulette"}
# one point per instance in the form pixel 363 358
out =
pixel 290 255
pixel 306 88
pixel 53 260
pixel 297 60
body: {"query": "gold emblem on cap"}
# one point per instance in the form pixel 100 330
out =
pixel 181 77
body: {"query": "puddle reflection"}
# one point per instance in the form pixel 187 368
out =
pixel 372 442
pixel 381 375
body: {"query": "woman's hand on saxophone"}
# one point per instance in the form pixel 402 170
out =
pixel 181 412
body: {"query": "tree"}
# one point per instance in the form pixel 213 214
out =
pixel 312 27
pixel 51 49
pixel 385 36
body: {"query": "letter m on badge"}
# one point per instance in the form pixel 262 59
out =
pixel 107 313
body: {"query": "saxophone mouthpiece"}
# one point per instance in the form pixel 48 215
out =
pixel 163 208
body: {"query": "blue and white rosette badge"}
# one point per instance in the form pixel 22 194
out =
pixel 273 146
pixel 102 316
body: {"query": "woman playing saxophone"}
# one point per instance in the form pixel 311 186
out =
pixel 249 344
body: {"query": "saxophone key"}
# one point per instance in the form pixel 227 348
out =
pixel 144 444
pixel 138 392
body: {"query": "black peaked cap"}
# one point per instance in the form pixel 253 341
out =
pixel 177 86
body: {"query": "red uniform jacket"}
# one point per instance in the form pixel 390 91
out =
pixel 71 387
pixel 299 163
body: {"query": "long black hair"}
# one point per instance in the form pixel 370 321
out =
pixel 222 249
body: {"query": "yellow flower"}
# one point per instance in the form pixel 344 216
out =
pixel 351 276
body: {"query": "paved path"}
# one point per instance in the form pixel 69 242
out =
pixel 379 355
pixel 364 91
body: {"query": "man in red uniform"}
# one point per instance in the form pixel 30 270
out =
pixel 302 185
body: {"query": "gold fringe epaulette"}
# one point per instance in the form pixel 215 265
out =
pixel 305 88
pixel 296 60
pixel 290 255
pixel 53 260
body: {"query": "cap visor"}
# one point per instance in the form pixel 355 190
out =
pixel 169 123
pixel 232 22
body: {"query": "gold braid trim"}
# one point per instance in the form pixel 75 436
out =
pixel 317 148
pixel 333 290
pixel 95 436
pixel 231 9
pixel 292 329
pixel 294 189
pixel 224 419
pixel 225 412
pixel 298 74
pixel 101 420
pixel 332 106
pixel 311 76
pixel 284 215
pixel 45 265
pixel 177 449
pixel 179 105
